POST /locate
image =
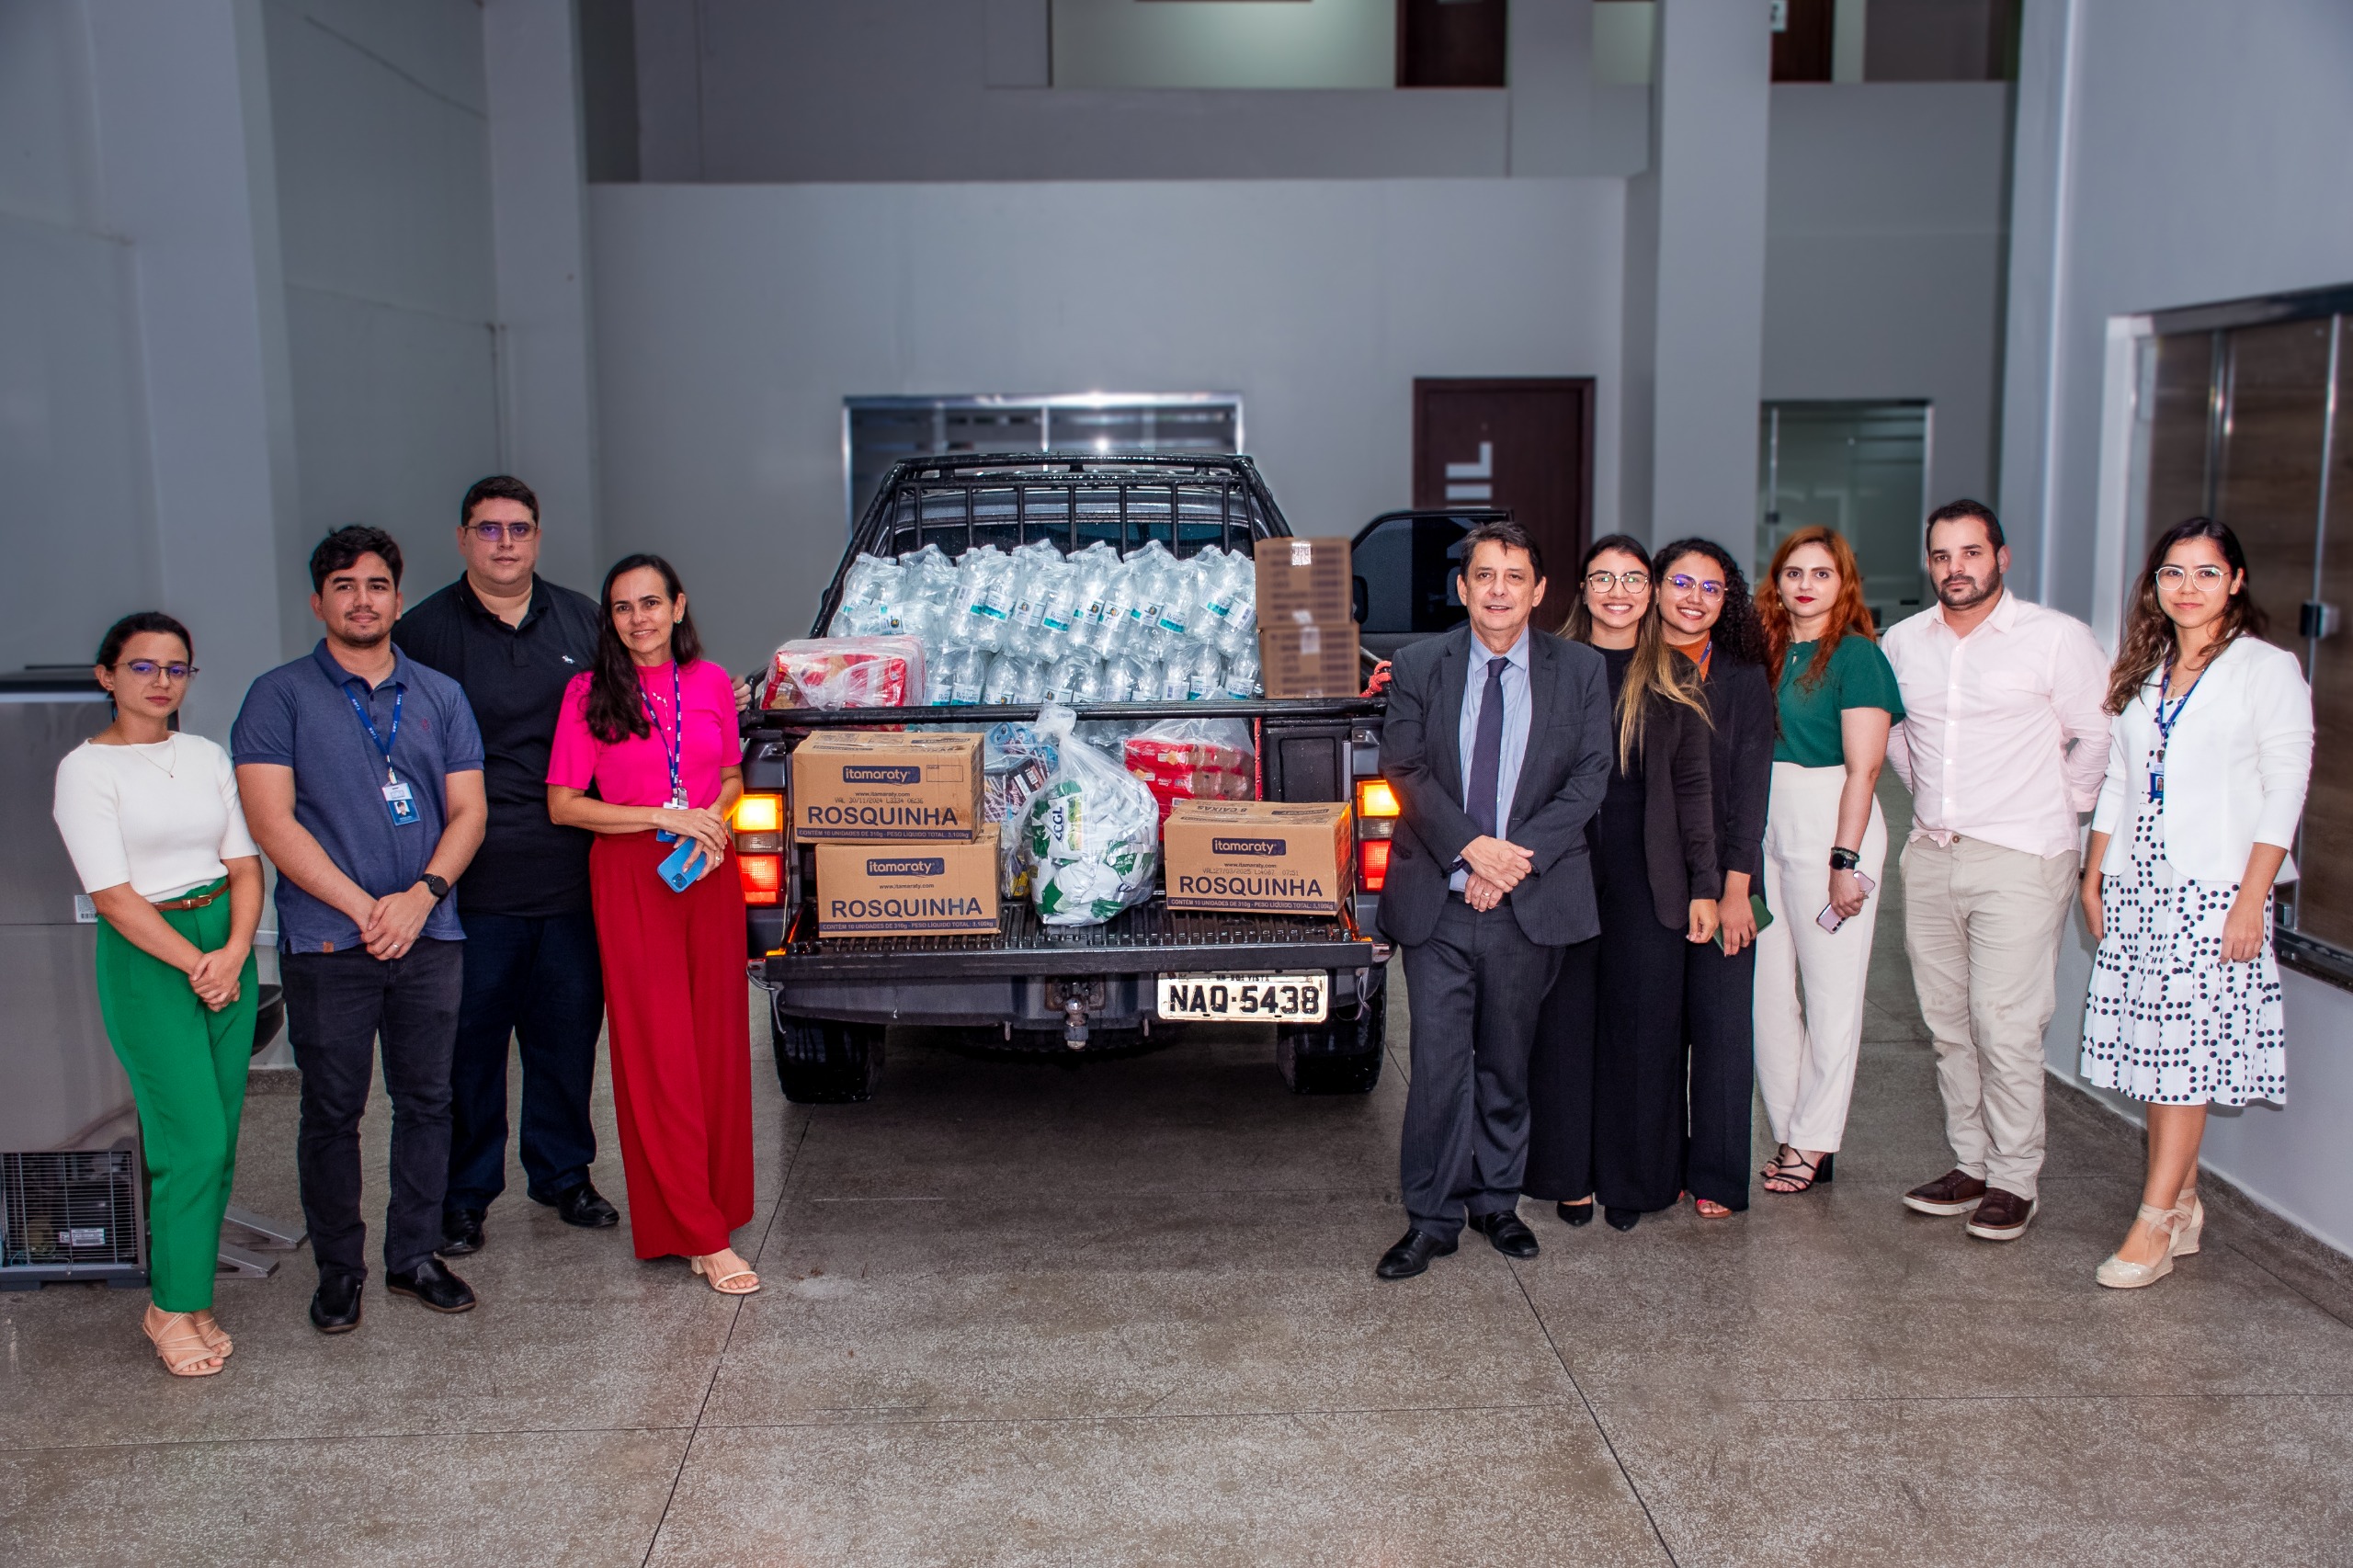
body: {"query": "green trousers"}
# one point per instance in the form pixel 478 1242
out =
pixel 186 1065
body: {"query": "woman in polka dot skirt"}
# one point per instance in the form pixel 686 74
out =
pixel 2207 768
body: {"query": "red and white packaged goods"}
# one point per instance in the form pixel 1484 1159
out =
pixel 845 672
pixel 1194 759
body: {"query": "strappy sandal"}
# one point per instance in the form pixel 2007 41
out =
pixel 1709 1208
pixel 1817 1172
pixel 182 1348
pixel 214 1335
pixel 725 1283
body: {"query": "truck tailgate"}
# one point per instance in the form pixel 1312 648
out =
pixel 1149 939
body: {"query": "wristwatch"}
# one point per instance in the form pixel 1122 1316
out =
pixel 1844 860
pixel 436 886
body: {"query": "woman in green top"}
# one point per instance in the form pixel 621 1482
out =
pixel 1825 843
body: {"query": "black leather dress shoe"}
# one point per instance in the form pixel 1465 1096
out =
pixel 1575 1213
pixel 461 1233
pixel 433 1286
pixel 1623 1219
pixel 335 1306
pixel 1507 1230
pixel 586 1206
pixel 1411 1255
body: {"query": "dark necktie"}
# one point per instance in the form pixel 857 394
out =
pixel 1487 751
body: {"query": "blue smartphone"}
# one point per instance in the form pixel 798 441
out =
pixel 686 865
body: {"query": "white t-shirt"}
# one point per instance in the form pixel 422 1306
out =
pixel 162 817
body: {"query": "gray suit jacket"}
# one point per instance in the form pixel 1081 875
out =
pixel 1561 784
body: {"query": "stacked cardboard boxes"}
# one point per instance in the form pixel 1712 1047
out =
pixel 902 845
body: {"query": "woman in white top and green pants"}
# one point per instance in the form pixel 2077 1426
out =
pixel 151 820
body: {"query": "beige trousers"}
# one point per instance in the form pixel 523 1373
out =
pixel 1806 1052
pixel 1981 925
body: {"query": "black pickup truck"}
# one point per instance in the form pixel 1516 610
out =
pixel 1031 987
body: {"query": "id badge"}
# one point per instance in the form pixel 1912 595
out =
pixel 677 803
pixel 401 804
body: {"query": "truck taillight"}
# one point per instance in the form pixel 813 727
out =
pixel 758 822
pixel 1375 799
pixel 1372 863
pixel 763 878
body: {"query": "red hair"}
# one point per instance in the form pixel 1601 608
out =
pixel 1848 614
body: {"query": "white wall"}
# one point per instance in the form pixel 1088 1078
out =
pixel 2172 152
pixel 1884 250
pixel 379 120
pixel 731 321
pixel 74 483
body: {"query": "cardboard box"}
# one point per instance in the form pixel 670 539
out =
pixel 1307 639
pixel 1275 857
pixel 881 890
pixel 876 786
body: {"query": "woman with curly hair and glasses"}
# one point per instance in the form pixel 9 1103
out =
pixel 1711 623
pixel 1825 844
pixel 2207 768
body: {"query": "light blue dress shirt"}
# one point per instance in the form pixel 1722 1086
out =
pixel 1517 711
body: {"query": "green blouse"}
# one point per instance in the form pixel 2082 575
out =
pixel 1859 677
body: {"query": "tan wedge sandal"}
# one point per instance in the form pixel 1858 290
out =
pixel 181 1346
pixel 725 1284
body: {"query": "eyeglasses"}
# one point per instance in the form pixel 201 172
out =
pixel 147 669
pixel 1632 582
pixel 491 533
pixel 2207 576
pixel 1683 582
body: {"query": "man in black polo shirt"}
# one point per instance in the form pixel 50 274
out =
pixel 513 641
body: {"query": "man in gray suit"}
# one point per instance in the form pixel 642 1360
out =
pixel 1497 743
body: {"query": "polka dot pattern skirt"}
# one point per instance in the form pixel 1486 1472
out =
pixel 2167 1021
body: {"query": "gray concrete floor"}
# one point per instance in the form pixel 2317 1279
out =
pixel 1124 1311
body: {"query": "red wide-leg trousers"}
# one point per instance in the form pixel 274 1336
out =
pixel 681 1042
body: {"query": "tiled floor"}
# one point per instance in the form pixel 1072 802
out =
pixel 1123 1311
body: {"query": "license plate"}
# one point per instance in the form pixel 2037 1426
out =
pixel 1256 998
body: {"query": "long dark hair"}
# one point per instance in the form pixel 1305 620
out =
pixel 2150 636
pixel 1653 677
pixel 616 711
pixel 1736 634
pixel 1847 613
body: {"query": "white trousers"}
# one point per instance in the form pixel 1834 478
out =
pixel 1805 1051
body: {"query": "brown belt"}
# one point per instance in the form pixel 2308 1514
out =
pixel 193 901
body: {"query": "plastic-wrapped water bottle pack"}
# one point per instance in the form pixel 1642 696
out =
pixel 1033 625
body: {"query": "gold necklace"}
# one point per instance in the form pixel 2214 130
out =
pixel 170 747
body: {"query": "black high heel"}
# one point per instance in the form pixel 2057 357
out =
pixel 1575 1213
pixel 1623 1219
pixel 1817 1174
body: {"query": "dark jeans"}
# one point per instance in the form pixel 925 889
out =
pixel 537 982
pixel 337 1006
pixel 1474 989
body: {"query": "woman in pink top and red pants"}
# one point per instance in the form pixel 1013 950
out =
pixel 653 727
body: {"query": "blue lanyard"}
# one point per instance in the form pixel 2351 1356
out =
pixel 673 744
pixel 2166 723
pixel 384 743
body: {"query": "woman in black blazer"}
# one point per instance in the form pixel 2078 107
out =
pixel 1606 1079
pixel 1709 620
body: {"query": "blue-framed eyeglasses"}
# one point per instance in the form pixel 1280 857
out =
pixel 147 669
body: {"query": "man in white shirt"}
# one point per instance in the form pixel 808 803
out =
pixel 2004 742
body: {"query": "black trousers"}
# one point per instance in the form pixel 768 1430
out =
pixel 1559 1081
pixel 538 983
pixel 337 1006
pixel 1474 989
pixel 1719 1001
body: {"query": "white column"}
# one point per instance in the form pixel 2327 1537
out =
pixel 1695 278
pixel 187 174
pixel 539 216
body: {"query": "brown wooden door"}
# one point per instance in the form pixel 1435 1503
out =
pixel 1452 43
pixel 1524 444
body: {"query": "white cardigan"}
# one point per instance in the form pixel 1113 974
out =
pixel 2236 771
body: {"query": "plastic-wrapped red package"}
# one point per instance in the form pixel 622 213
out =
pixel 845 672
pixel 1194 759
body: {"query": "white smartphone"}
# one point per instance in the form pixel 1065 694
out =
pixel 1830 919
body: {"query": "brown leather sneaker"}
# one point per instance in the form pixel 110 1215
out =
pixel 1951 1193
pixel 2002 1217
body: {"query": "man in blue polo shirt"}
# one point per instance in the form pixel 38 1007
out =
pixel 361 778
